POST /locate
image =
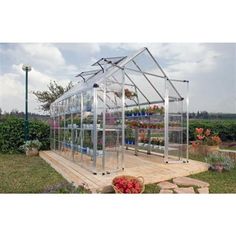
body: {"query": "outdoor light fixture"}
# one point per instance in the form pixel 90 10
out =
pixel 26 68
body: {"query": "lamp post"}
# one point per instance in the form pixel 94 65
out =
pixel 26 68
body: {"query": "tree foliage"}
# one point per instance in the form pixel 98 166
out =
pixel 54 91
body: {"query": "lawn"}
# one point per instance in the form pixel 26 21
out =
pixel 21 174
pixel 219 182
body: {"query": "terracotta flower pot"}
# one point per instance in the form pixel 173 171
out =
pixel 32 152
pixel 219 168
pixel 211 149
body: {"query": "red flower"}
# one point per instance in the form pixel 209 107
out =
pixel 200 137
pixel 199 130
pixel 207 132
pixel 216 139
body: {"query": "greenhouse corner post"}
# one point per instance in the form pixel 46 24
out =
pixel 123 119
pixel 187 113
pixel 166 129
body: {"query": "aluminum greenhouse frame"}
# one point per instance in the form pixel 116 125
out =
pixel 92 122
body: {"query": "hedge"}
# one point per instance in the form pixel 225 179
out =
pixel 12 133
pixel 226 129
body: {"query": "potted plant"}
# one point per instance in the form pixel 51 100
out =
pixel 206 142
pixel 150 110
pixel 135 112
pixel 161 110
pixel 143 111
pixel 218 162
pixel 130 94
pixel 31 147
pixel 162 142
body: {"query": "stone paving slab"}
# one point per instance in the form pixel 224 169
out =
pixel 186 181
pixel 203 190
pixel 184 190
pixel 166 191
pixel 167 185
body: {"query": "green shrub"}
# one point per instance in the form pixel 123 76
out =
pixel 226 129
pixel 216 159
pixel 65 187
pixel 12 133
pixel 30 144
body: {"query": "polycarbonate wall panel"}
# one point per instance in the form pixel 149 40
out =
pixel 112 122
pixel 177 143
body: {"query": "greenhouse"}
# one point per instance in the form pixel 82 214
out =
pixel 123 104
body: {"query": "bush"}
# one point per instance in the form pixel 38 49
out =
pixel 216 159
pixel 65 187
pixel 226 129
pixel 12 133
pixel 30 145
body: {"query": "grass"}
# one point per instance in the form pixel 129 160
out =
pixel 224 182
pixel 152 188
pixel 229 148
pixel 21 174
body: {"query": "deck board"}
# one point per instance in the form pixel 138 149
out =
pixel 151 167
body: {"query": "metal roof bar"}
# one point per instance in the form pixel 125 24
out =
pixel 145 103
pixel 147 79
pixel 144 72
pixel 154 59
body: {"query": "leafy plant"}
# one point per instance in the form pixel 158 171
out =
pixel 226 129
pixel 29 145
pixel 130 94
pixel 219 159
pixel 12 133
pixel 65 187
pixel 205 137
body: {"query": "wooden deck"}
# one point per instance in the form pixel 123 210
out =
pixel 150 167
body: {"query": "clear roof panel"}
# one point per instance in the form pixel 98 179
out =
pixel 143 76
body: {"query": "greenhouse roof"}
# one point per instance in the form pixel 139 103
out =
pixel 142 72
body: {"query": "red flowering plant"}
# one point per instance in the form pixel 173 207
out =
pixel 205 137
pixel 128 184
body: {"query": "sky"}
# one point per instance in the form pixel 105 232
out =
pixel 210 68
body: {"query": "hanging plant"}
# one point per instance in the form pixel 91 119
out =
pixel 128 94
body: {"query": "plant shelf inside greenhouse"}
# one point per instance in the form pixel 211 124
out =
pixel 123 104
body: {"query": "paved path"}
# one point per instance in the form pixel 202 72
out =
pixel 184 185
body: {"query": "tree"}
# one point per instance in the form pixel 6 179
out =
pixel 54 92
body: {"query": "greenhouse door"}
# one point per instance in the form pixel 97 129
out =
pixel 109 132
